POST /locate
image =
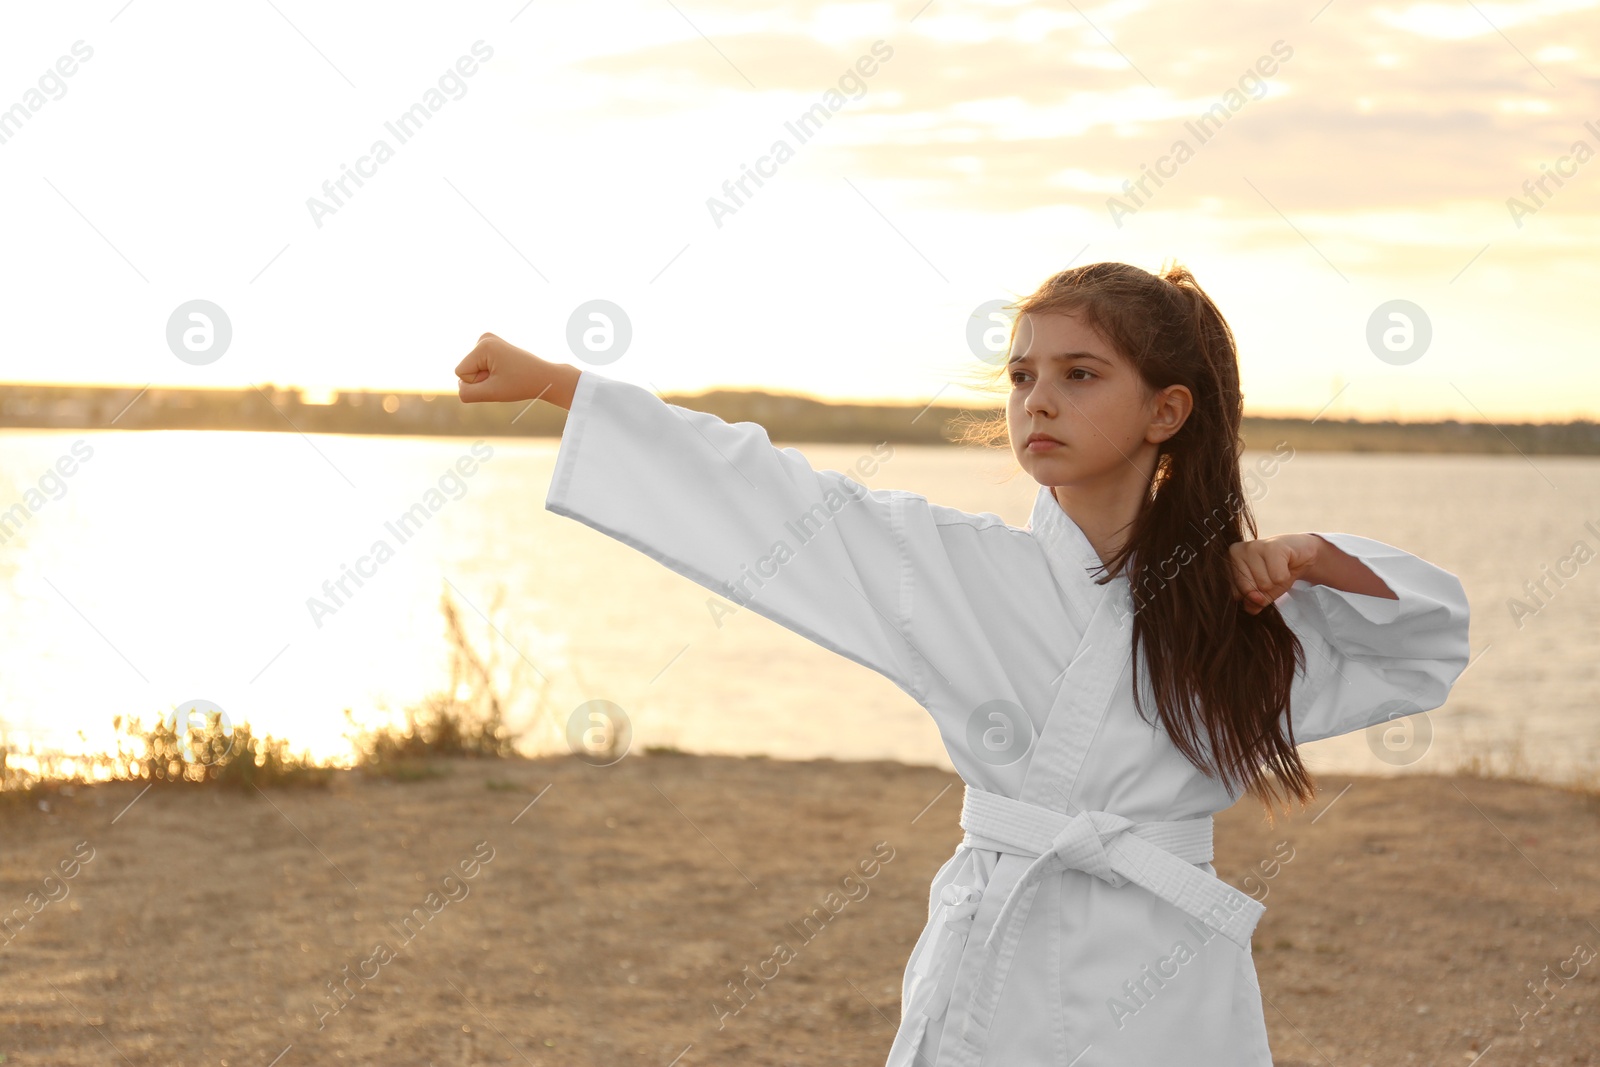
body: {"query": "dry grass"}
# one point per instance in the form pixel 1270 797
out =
pixel 1508 762
pixel 466 718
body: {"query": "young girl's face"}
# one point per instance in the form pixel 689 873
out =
pixel 1070 383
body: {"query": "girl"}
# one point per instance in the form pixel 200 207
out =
pixel 1080 920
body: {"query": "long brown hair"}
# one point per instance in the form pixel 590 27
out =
pixel 1220 676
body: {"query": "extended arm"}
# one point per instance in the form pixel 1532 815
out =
pixel 813 550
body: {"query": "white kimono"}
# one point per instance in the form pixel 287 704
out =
pixel 1079 922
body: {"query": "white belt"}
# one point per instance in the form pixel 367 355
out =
pixel 1159 856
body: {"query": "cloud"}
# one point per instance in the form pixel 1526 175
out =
pixel 1012 108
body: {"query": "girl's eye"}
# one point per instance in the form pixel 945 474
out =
pixel 1074 370
pixel 1087 371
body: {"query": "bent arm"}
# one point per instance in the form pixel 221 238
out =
pixel 1371 657
pixel 1338 569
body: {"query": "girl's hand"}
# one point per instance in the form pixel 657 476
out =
pixel 1264 569
pixel 499 370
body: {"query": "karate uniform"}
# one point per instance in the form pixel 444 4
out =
pixel 1080 921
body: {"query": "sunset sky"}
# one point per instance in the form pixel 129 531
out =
pixel 186 154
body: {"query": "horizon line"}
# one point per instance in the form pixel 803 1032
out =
pixel 1306 415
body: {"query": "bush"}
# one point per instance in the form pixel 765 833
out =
pixel 445 724
pixel 233 757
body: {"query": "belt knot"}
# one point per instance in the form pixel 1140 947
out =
pixel 1081 845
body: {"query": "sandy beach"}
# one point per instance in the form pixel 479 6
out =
pixel 551 912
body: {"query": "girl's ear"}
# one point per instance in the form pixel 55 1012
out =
pixel 1172 407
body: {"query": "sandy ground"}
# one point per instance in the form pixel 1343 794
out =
pixel 601 924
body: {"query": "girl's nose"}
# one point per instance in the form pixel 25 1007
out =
pixel 1041 398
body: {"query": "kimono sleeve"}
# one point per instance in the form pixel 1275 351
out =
pixel 1370 659
pixel 717 502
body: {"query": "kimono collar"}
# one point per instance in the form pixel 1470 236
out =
pixel 1071 557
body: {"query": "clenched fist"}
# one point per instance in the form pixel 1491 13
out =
pixel 1264 569
pixel 499 370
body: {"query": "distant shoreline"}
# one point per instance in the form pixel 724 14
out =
pixel 785 417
